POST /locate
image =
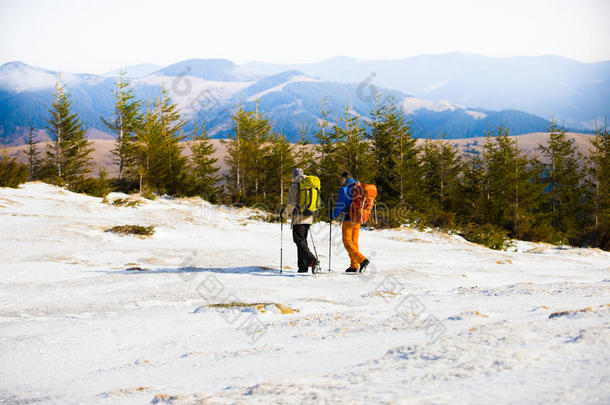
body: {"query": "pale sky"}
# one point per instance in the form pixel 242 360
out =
pixel 98 36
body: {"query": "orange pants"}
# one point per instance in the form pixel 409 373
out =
pixel 350 231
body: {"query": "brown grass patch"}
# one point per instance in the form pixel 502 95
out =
pixel 567 313
pixel 382 294
pixel 259 306
pixel 138 230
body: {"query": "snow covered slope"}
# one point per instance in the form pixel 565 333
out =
pixel 435 320
pixel 193 94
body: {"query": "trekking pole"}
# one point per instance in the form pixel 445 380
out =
pixel 313 243
pixel 330 232
pixel 281 241
pixel 330 238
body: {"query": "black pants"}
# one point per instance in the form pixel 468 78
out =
pixel 299 236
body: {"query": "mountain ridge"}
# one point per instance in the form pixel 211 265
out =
pixel 210 89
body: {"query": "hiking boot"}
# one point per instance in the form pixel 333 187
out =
pixel 363 266
pixel 315 266
pixel 351 270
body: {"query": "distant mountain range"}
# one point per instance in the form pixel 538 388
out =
pixel 482 91
pixel 576 93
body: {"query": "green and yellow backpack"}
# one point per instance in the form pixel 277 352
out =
pixel 309 195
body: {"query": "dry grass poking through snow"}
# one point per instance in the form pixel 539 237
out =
pixel 139 230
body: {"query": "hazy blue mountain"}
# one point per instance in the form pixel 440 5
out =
pixel 208 69
pixel 140 70
pixel 26 93
pixel 210 90
pixel 574 92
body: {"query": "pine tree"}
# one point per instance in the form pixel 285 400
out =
pixel 384 133
pixel 486 163
pixel 257 149
pixel 562 180
pixel 246 148
pixel 511 194
pixel 203 169
pixel 234 154
pixel 173 164
pixel 278 170
pixel 473 191
pixel 599 171
pixel 499 179
pixel 69 151
pixel 124 123
pixel 148 151
pixel 441 168
pixel 32 153
pixel 353 149
pixel 12 173
pixel 304 153
pixel 396 164
pixel 328 168
pixel 409 169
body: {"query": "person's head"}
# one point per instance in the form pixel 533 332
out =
pixel 297 174
pixel 345 176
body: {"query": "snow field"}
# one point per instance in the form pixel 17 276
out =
pixel 435 320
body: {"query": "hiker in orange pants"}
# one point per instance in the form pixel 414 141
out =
pixel 350 229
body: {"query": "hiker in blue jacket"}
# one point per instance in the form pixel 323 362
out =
pixel 350 230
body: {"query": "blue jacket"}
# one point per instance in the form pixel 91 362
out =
pixel 344 200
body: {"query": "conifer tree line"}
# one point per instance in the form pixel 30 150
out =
pixel 148 151
pixel 556 196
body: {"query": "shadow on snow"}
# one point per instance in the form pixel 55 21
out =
pixel 250 270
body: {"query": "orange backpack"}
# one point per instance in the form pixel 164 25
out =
pixel 363 199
